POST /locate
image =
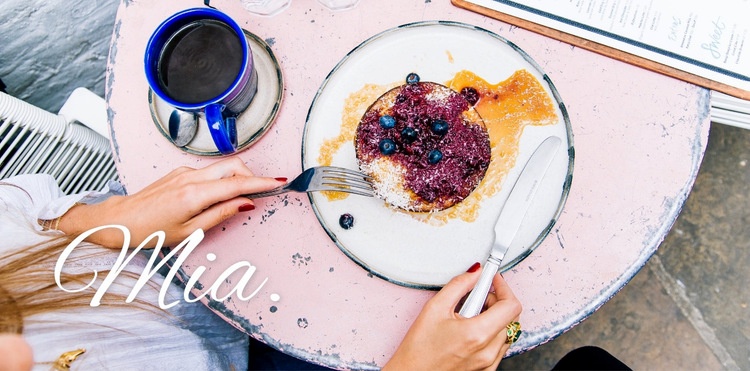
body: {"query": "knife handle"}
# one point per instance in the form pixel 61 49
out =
pixel 474 303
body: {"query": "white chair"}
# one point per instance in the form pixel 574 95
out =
pixel 72 146
pixel 729 110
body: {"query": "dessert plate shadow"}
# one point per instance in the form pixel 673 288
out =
pixel 417 249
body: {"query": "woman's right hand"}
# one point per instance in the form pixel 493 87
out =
pixel 441 339
pixel 182 201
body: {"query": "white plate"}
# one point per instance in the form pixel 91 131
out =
pixel 396 245
pixel 251 123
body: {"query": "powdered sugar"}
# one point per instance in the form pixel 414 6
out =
pixel 389 182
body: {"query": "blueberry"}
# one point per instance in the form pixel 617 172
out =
pixel 439 127
pixel 470 94
pixel 387 122
pixel 434 156
pixel 387 147
pixel 412 78
pixel 408 135
pixel 346 221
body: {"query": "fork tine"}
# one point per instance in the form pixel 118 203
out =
pixel 344 179
pixel 337 179
pixel 346 185
pixel 347 189
pixel 344 171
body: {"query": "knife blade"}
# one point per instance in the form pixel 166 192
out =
pixel 509 221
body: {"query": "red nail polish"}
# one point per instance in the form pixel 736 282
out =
pixel 281 179
pixel 473 268
pixel 246 207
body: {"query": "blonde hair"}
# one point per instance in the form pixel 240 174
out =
pixel 27 286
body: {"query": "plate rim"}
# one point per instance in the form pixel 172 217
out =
pixel 566 185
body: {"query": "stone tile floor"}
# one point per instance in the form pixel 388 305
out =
pixel 689 307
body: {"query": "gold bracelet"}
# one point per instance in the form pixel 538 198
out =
pixel 54 224
pixel 48 225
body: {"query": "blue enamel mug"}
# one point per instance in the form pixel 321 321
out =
pixel 199 60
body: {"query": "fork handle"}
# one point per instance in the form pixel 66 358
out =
pixel 474 303
pixel 270 192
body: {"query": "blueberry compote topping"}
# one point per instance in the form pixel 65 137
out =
pixel 439 127
pixel 412 78
pixel 346 221
pixel 387 122
pixel 387 147
pixel 444 155
pixel 408 135
pixel 435 156
pixel 470 94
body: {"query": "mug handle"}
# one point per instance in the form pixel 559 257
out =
pixel 223 130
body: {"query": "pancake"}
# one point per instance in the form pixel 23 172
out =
pixel 424 144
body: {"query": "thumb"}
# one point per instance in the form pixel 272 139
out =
pixel 220 212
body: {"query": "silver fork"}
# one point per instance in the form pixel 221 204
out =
pixel 324 178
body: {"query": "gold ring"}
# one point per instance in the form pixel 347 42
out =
pixel 513 331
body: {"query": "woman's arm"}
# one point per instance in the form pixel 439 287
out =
pixel 179 203
pixel 187 199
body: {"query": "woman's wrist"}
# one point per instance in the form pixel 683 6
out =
pixel 72 220
pixel 83 217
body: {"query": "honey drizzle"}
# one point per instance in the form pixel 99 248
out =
pixel 506 108
pixel 355 106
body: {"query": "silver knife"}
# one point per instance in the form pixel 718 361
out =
pixel 509 221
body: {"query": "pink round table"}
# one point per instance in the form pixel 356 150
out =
pixel 639 140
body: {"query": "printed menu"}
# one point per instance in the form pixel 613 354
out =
pixel 709 39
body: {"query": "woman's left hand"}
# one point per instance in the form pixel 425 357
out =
pixel 181 202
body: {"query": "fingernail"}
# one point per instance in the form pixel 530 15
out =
pixel 473 268
pixel 246 207
pixel 281 179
